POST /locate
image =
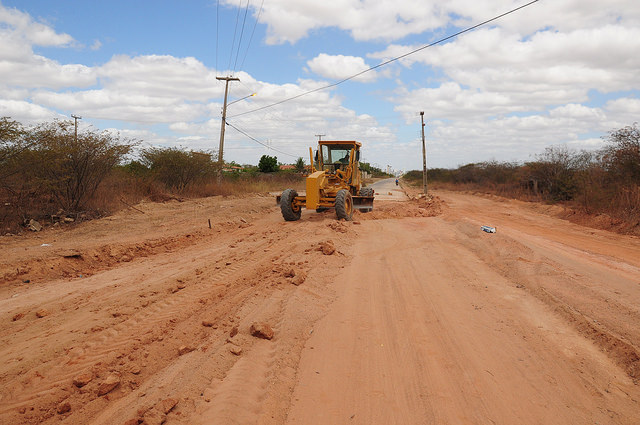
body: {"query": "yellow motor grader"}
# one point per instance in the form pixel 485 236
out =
pixel 335 182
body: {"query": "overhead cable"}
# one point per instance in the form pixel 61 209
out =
pixel 255 24
pixel 258 141
pixel 388 61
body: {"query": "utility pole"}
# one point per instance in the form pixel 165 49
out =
pixel 76 118
pixel 424 156
pixel 319 136
pixel 224 117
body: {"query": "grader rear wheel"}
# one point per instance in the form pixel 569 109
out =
pixel 344 205
pixel 368 192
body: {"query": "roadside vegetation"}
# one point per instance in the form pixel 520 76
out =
pixel 50 175
pixel 606 181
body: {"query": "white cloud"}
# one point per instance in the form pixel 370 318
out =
pixel 338 67
pixel 19 66
pixel 97 44
pixel 35 33
pixel 291 20
pixel 25 112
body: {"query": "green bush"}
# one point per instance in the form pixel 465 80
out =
pixel 69 168
pixel 268 164
pixel 177 168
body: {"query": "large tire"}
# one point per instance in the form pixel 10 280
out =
pixel 366 191
pixel 344 205
pixel 289 212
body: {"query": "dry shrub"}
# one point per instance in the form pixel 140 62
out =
pixel 606 182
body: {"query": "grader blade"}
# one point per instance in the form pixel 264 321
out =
pixel 363 203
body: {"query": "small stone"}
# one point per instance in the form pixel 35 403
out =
pixel 184 350
pixel 69 220
pixel 299 279
pixel 109 384
pixel 290 273
pixel 327 248
pixel 207 323
pixel 132 422
pixel 34 226
pixel 41 313
pixel 235 349
pixel 135 368
pixel 17 316
pixel 82 379
pixel 154 417
pixel 63 407
pixel 233 332
pixel 261 330
pixel 166 405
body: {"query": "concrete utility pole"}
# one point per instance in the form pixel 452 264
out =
pixel 224 117
pixel 424 156
pixel 76 118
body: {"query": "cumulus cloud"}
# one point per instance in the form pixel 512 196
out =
pixel 338 67
pixel 19 66
pixel 291 20
pixel 389 20
pixel 25 111
pixel 36 33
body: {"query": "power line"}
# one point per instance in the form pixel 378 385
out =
pixel 244 20
pixel 255 24
pixel 259 142
pixel 235 32
pixel 388 61
pixel 217 30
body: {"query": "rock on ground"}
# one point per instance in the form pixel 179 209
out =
pixel 109 384
pixel 63 407
pixel 82 379
pixel 261 330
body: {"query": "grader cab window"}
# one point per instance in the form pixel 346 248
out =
pixel 335 156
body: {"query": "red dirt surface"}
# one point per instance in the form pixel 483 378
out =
pixel 409 314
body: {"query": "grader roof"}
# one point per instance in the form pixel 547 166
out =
pixel 339 142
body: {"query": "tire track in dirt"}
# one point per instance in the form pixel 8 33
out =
pixel 128 333
pixel 155 319
pixel 567 279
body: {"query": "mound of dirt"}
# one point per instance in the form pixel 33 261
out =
pixel 419 207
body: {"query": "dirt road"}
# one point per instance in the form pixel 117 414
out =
pixel 408 315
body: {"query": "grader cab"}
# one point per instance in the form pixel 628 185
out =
pixel 335 182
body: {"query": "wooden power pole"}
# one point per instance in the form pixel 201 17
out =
pixel 224 117
pixel 424 156
pixel 76 118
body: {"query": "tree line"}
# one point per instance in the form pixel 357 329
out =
pixel 49 170
pixel 602 181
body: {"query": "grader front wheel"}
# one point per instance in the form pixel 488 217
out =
pixel 289 211
pixel 344 205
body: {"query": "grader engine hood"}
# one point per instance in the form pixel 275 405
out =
pixel 315 182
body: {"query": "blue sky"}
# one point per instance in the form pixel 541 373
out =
pixel 555 73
